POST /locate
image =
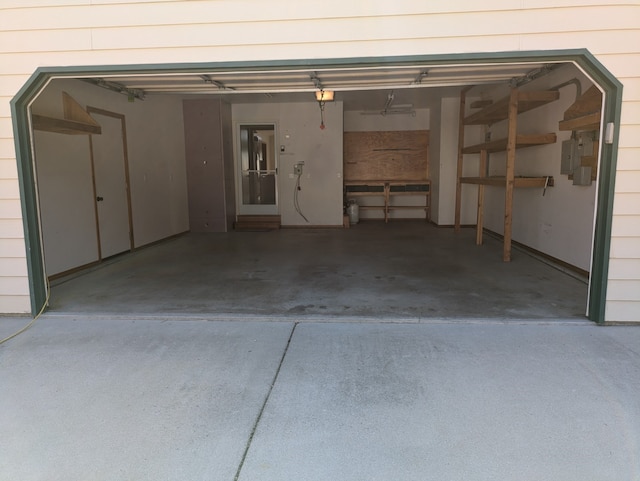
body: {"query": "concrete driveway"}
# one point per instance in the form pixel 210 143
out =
pixel 152 399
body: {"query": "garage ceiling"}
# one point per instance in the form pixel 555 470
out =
pixel 360 88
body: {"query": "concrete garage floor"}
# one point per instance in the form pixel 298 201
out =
pixel 399 271
pixel 140 399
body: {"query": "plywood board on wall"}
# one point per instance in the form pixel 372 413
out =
pixel 386 155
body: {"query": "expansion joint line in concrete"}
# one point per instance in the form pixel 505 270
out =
pixel 264 404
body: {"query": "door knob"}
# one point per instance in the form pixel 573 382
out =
pixel 99 199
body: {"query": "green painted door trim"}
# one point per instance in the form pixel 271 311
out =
pixel 28 193
pixel 582 57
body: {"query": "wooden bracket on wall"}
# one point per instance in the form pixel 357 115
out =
pixel 76 120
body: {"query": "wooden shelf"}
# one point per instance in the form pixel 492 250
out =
pixel 586 122
pixel 415 207
pixel 64 126
pixel 500 110
pixel 521 142
pixel 76 121
pixel 502 181
pixel 584 113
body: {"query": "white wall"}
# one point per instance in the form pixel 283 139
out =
pixel 357 121
pixel 155 141
pixel 298 129
pixel 34 33
pixel 446 166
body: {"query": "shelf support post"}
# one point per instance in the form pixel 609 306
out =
pixel 463 96
pixel 510 173
pixel 480 215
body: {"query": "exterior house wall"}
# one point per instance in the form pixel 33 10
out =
pixel 35 33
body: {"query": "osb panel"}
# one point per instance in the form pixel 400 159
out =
pixel 386 155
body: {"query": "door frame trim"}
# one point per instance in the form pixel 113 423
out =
pixel 125 152
pixel 583 58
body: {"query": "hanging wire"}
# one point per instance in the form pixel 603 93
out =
pixel 44 305
pixel 321 103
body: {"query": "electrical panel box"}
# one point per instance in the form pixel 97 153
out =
pixel 582 175
pixel 570 157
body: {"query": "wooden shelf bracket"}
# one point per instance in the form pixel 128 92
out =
pixel 76 121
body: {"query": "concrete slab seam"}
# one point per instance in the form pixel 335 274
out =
pixel 264 405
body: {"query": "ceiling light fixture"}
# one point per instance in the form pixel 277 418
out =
pixel 324 95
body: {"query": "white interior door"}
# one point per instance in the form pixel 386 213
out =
pixel 111 185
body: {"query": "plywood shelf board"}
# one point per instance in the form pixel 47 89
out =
pixel 522 141
pixel 63 126
pixel 407 207
pixel 586 122
pixel 499 181
pixel 500 110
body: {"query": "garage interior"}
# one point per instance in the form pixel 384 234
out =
pixel 152 201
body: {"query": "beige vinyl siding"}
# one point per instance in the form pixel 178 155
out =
pixel 14 287
pixel 623 293
pixel 492 15
pixel 36 33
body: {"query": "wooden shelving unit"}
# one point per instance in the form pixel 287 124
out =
pixel 508 109
pixel 389 189
pixel 76 120
pixel 390 166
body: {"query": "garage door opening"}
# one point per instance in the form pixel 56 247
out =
pixel 553 221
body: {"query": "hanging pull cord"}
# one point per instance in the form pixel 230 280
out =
pixel 321 115
pixel 321 103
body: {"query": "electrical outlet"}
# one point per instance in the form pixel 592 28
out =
pixel 297 168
